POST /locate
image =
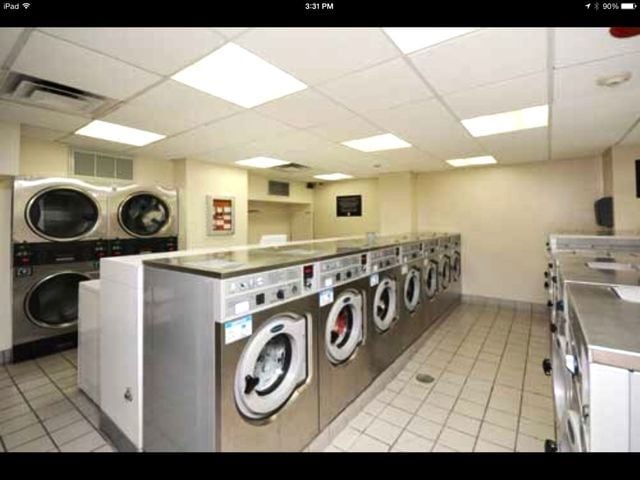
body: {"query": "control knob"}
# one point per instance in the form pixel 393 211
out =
pixel 546 366
pixel 280 294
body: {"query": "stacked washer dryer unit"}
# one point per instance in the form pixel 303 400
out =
pixel 344 364
pixel 385 337
pixel 59 230
pixel 412 322
pixel 230 362
pixel 143 219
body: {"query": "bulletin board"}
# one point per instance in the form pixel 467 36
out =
pixel 349 206
pixel 220 215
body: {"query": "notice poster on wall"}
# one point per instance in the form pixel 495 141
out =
pixel 349 206
pixel 220 215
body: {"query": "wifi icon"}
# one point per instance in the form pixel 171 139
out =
pixel 26 5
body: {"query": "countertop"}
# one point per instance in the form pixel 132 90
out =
pixel 573 268
pixel 611 326
pixel 240 262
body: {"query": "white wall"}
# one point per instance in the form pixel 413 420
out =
pixel 5 263
pixel 268 218
pixel 504 214
pixel 398 213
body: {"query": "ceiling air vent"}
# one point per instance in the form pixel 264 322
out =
pixel 43 93
pixel 291 167
pixel 278 188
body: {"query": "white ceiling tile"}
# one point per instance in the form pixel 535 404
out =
pixel 315 55
pixel 428 126
pixel 170 108
pixel 498 97
pixel 40 117
pixel 579 45
pixel 160 50
pixel 383 86
pixel 230 32
pixel 95 144
pixel 8 37
pixel 633 137
pixel 305 109
pixel 483 57
pixel 589 125
pixel 518 147
pixel 59 61
pixel 239 129
pixel 581 80
pixel 41 133
pixel 348 129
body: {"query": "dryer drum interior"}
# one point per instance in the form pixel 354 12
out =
pixel 143 214
pixel 62 214
pixel 271 367
pixel 384 305
pixel 446 273
pixel 412 289
pixel 343 331
pixel 431 280
pixel 456 266
pixel 53 301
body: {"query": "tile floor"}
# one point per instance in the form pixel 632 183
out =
pixel 42 410
pixel 489 393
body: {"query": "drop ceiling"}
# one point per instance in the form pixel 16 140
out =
pixel 359 85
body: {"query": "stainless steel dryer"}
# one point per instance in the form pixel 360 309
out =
pixel 58 210
pixel 229 354
pixel 455 250
pixel 385 337
pixel 344 365
pixel 412 323
pixel 45 294
pixel 444 299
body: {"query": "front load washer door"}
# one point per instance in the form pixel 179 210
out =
pixel 62 214
pixel 53 301
pixel 273 365
pixel 445 272
pixel 431 280
pixel 456 266
pixel 412 289
pixel 384 304
pixel 344 329
pixel 143 214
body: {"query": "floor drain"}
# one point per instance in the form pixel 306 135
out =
pixel 424 378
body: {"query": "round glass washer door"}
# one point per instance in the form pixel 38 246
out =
pixel 445 272
pixel 384 304
pixel 431 280
pixel 62 214
pixel 53 301
pixel 273 365
pixel 456 266
pixel 412 289
pixel 344 329
pixel 143 214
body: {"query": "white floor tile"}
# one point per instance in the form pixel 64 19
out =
pixel 409 442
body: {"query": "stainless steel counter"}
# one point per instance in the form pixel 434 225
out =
pixel 611 326
pixel 574 268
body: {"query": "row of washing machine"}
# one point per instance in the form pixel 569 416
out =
pixel 261 349
pixel 593 362
pixel 61 227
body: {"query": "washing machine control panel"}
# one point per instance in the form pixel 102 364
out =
pixel 254 292
pixel 340 270
pixel 410 252
pixel 384 258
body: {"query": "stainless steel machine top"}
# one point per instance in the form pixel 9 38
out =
pixel 610 325
pixel 234 263
pixel 620 269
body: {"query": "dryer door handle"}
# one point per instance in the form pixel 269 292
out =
pixel 250 383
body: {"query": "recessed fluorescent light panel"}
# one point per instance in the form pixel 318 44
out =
pixel 118 133
pixel 532 117
pixel 411 39
pixel 262 162
pixel 333 176
pixel 238 76
pixel 377 143
pixel 470 161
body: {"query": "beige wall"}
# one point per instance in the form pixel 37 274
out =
pixel 504 214
pixel 270 218
pixel 327 224
pixel 398 212
pixel 259 190
pixel 5 264
pixel 626 206
pixel 607 173
pixel 196 181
